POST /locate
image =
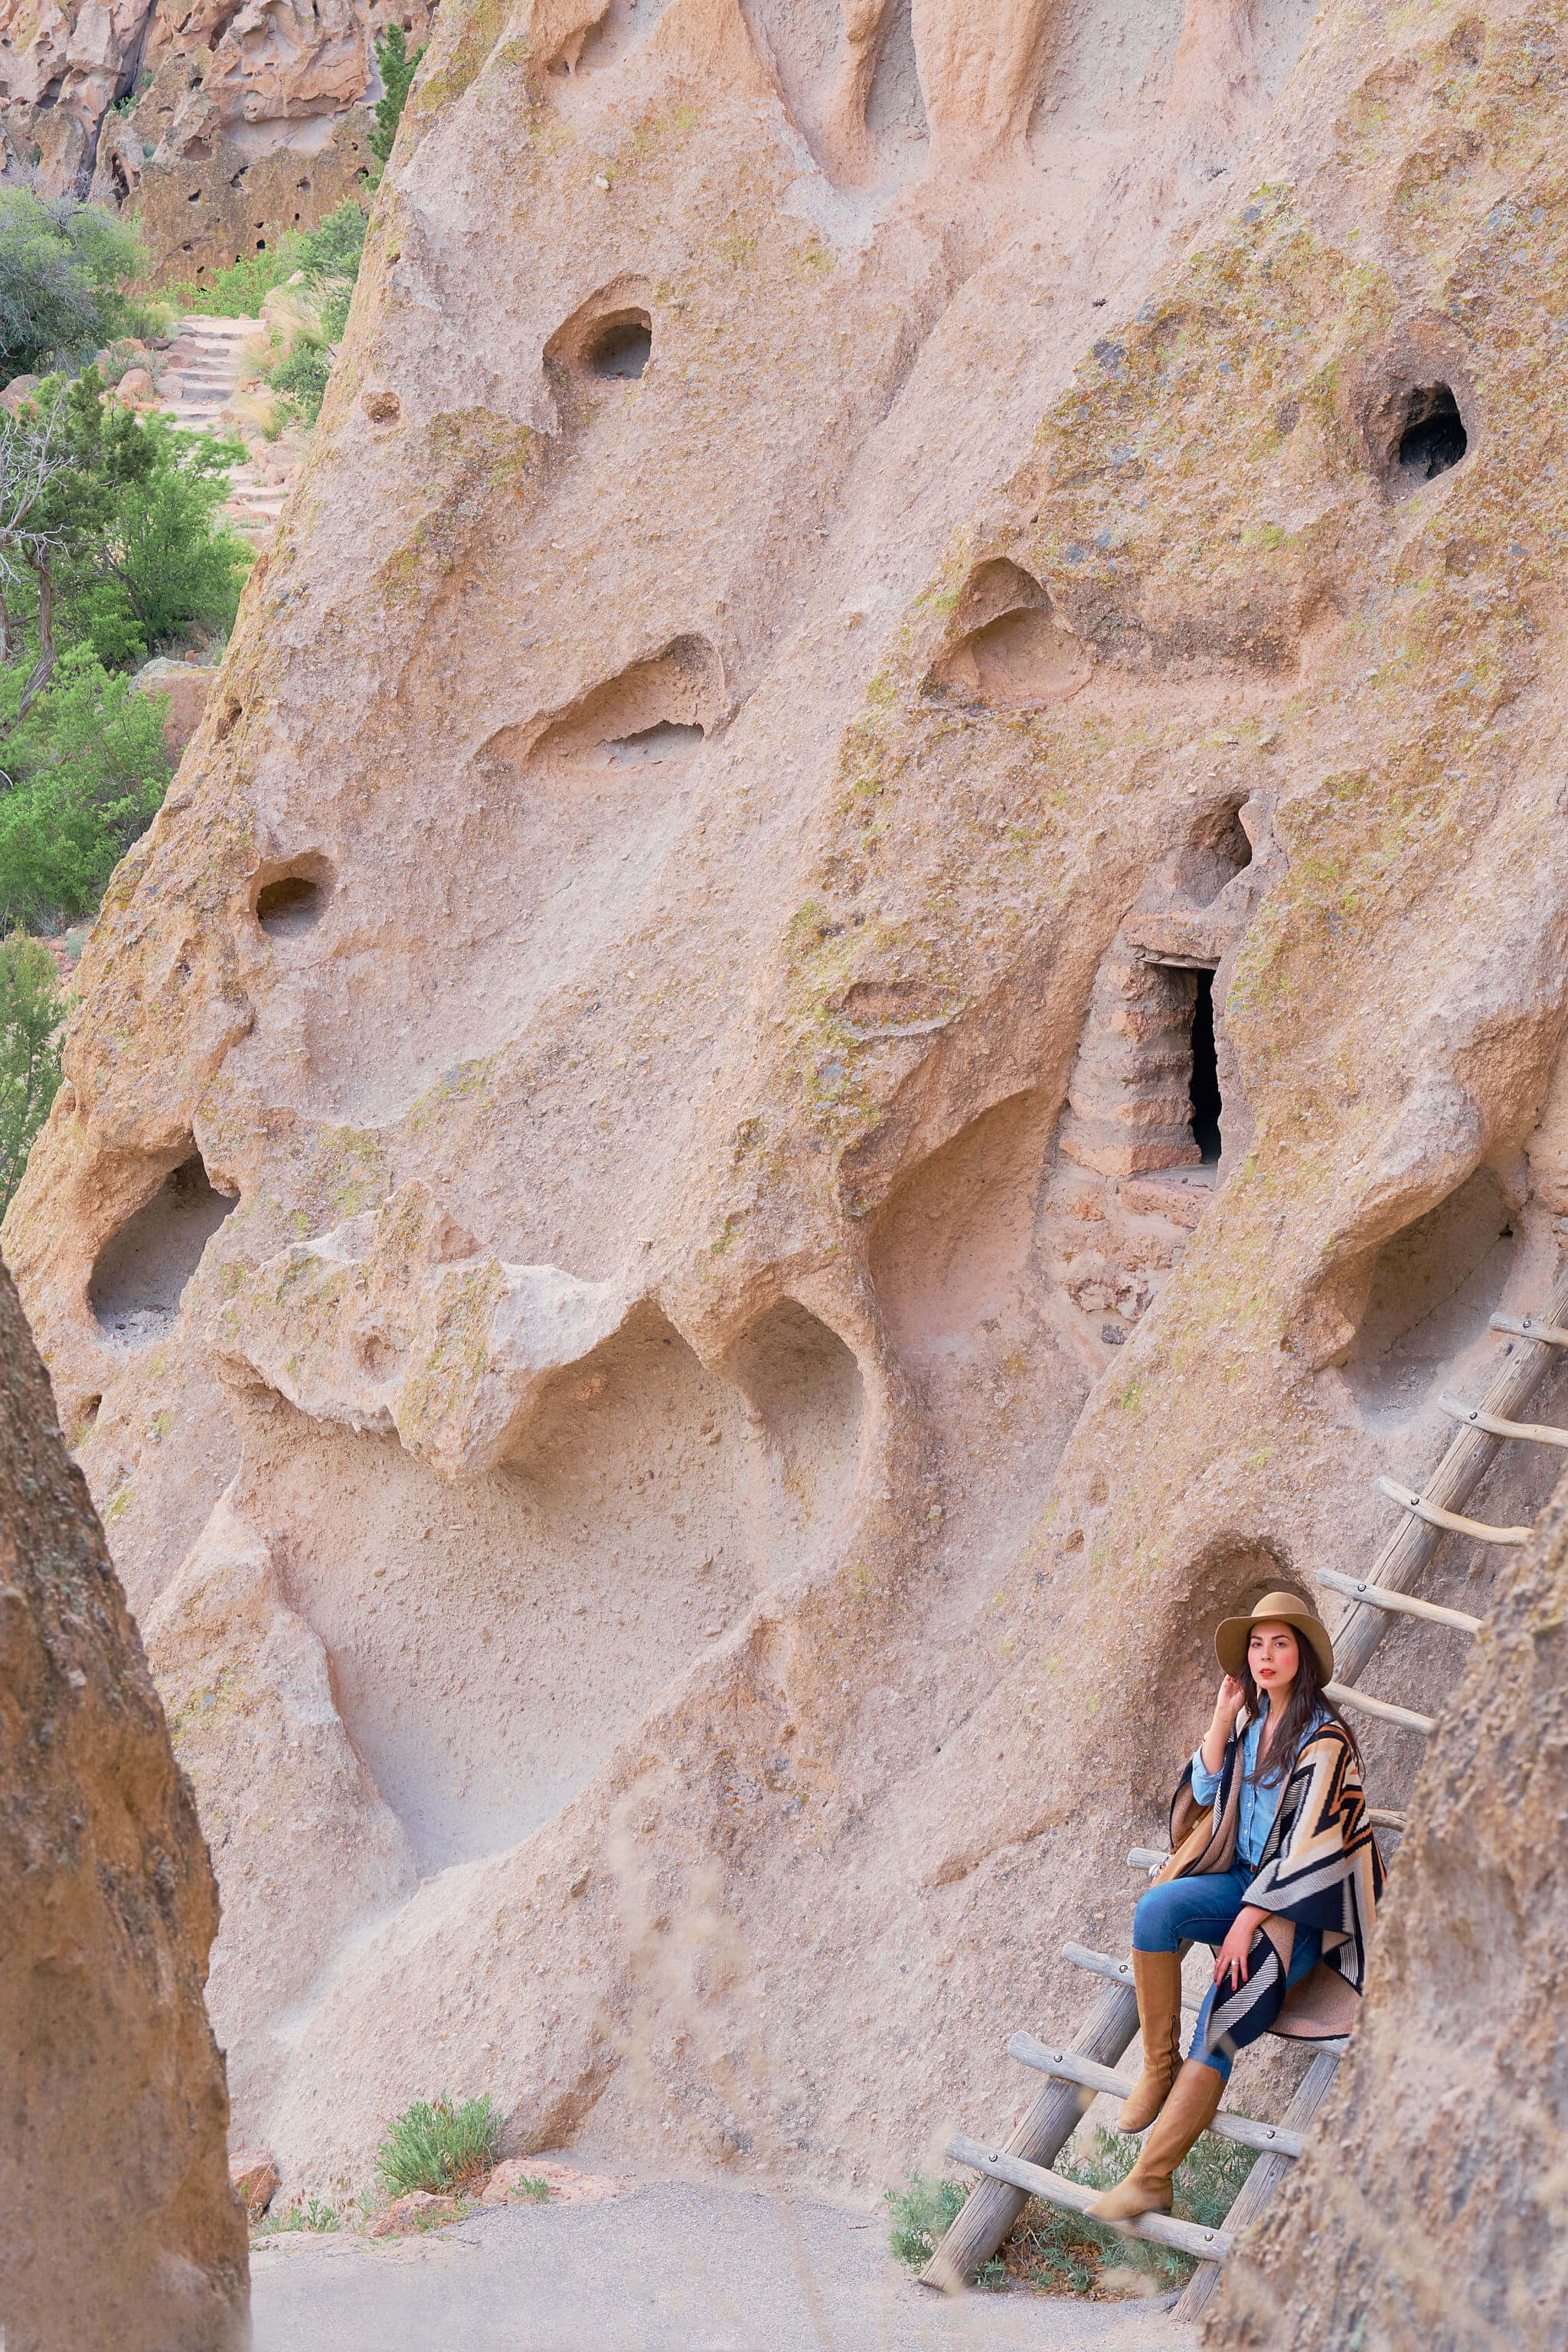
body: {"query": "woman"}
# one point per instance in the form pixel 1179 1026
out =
pixel 1273 1865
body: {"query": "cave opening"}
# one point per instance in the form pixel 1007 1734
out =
pixel 1432 437
pixel 1204 1085
pixel 293 902
pixel 140 1273
pixel 623 347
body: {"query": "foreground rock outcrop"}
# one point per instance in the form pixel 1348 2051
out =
pixel 854 997
pixel 121 2227
pixel 1432 2208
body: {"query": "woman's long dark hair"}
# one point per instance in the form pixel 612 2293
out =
pixel 1306 1701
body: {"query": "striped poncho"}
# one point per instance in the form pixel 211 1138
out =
pixel 1320 1868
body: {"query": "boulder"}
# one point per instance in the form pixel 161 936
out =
pixel 417 2210
pixel 254 2179
pixel 184 690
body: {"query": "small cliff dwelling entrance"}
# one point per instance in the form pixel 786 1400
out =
pixel 1155 1105
pixel 1205 1084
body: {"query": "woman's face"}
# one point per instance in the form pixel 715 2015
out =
pixel 1272 1655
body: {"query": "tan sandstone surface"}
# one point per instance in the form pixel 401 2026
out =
pixel 623 1245
pixel 119 2225
pixel 1439 2173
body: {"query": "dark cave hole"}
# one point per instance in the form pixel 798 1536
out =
pixel 623 347
pixel 294 903
pixel 1433 437
pixel 1204 1085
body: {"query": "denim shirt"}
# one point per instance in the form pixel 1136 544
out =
pixel 1258 1805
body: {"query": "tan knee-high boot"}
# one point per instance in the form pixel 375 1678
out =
pixel 1157 1980
pixel 1189 2109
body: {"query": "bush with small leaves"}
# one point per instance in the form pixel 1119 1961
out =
pixel 30 1016
pixel 63 270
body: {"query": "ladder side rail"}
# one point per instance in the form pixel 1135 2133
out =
pixel 994 2205
pixel 1470 1456
pixel 1261 2182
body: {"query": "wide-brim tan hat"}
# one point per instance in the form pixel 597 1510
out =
pixel 1274 1609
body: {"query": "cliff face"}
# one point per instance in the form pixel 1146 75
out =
pixel 1430 2209
pixel 121 2226
pixel 885 646
pixel 215 122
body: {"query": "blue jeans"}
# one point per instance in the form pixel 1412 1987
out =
pixel 1202 1910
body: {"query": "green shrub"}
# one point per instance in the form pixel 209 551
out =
pixel 301 381
pixel 331 253
pixel 328 257
pixel 397 70
pixel 64 268
pixel 437 2146
pixel 87 774
pixel 175 563
pixel 30 1016
pixel 110 528
pixel 237 292
pixel 922 2213
pixel 1060 2251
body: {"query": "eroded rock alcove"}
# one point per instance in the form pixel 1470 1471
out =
pixel 930 1001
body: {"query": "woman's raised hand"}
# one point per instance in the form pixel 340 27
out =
pixel 1226 1707
pixel 1229 1704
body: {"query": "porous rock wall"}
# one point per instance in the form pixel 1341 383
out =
pixel 121 2226
pixel 217 124
pixel 1430 2207
pixel 676 1396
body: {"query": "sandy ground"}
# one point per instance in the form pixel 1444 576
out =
pixel 665 2268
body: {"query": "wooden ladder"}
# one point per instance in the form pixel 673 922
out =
pixel 1019 2168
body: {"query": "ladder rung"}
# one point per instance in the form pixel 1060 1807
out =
pixel 1378 1596
pixel 1101 1964
pixel 1534 1433
pixel 1405 1717
pixel 1187 2237
pixel 1477 1529
pixel 1382 1819
pixel 1069 2067
pixel 1147 1857
pixel 1525 1326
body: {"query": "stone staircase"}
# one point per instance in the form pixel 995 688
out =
pixel 196 379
